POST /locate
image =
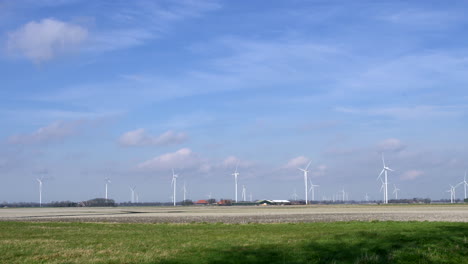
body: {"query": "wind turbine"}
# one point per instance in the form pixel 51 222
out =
pixel 132 189
pixel 184 189
pixel 343 193
pixel 312 188
pixel 367 197
pixel 452 193
pixel 294 195
pixel 236 174
pixel 40 190
pixel 174 184
pixel 395 191
pixel 244 193
pixel 465 183
pixel 385 181
pixel 305 181
pixel 107 181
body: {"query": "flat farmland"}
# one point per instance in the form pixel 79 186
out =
pixel 256 234
pixel 237 214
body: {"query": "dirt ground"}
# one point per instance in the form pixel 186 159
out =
pixel 237 214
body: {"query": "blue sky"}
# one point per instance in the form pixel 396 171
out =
pixel 129 90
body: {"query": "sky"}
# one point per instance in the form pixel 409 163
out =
pixel 133 89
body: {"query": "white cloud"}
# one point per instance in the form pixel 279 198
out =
pixel 233 161
pixel 296 162
pixel 412 174
pixel 43 40
pixel 182 159
pixel 391 144
pixel 53 132
pixel 140 137
pixel 319 170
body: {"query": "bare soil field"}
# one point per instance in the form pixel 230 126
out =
pixel 234 214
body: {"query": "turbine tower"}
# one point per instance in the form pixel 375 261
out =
pixel 184 189
pixel 465 183
pixel 244 193
pixel 385 180
pixel 343 193
pixel 294 195
pixel 452 193
pixel 395 191
pixel 312 188
pixel 132 189
pixel 40 190
pixel 107 181
pixel 235 174
pixel 367 197
pixel 305 181
pixel 174 184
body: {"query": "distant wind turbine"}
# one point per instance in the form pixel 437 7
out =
pixel 40 190
pixel 343 193
pixel 312 188
pixel 305 181
pixel 107 181
pixel 395 191
pixel 184 189
pixel 294 195
pixel 452 193
pixel 465 184
pixel 174 184
pixel 244 193
pixel 132 189
pixel 367 197
pixel 235 174
pixel 385 180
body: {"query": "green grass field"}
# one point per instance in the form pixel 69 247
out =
pixel 338 242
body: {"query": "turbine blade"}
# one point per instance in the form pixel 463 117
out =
pixel 381 173
pixel 308 165
pixel 383 159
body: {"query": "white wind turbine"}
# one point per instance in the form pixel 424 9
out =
pixel 452 193
pixel 107 181
pixel 367 197
pixel 312 188
pixel 244 193
pixel 305 181
pixel 184 189
pixel 174 184
pixel 294 195
pixel 465 184
pixel 132 189
pixel 40 190
pixel 385 180
pixel 395 191
pixel 236 174
pixel 343 193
